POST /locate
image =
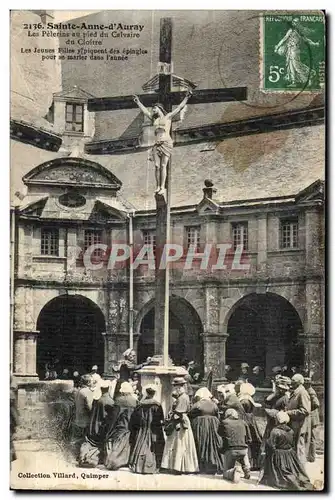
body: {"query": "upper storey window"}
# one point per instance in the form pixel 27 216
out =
pixel 74 117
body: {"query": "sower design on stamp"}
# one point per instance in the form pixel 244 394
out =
pixel 292 55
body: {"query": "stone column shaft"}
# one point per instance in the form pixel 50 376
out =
pixel 215 354
pixel 25 353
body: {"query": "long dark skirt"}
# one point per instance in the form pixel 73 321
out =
pixel 283 470
pixel 147 439
pixel 117 444
pixel 208 443
pixel 117 450
pixel 89 454
pixel 256 440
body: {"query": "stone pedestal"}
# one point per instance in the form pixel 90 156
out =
pixel 161 378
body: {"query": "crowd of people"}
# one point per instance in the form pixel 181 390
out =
pixel 118 424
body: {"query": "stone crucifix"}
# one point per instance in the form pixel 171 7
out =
pixel 161 114
pixel 162 149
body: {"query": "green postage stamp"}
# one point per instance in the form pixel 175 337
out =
pixel 292 57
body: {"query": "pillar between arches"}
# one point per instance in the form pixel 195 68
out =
pixel 25 354
pixel 215 354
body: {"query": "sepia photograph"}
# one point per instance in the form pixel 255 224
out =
pixel 167 248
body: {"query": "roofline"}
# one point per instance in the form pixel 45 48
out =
pixel 250 203
pixel 303 117
pixel 36 136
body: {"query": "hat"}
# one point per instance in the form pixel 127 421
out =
pixel 94 367
pixel 247 388
pixel 297 377
pixel 203 393
pixel 282 417
pixel 178 381
pixel 105 384
pixel 127 352
pixel 257 367
pixel 283 382
pixel 126 388
pixel 276 369
pixel 244 365
pixel 231 413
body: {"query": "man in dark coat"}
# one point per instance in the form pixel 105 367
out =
pixel 315 419
pixel 244 372
pixel 82 412
pixel 299 409
pixel 235 445
pixel 257 377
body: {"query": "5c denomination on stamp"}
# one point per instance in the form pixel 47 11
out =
pixel 292 52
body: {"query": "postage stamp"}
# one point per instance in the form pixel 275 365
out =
pixel 292 52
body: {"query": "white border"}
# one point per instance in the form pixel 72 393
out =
pixel 4 183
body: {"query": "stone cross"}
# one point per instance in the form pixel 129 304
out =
pixel 167 98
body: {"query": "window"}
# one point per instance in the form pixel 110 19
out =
pixel 93 237
pixel 149 238
pixel 72 200
pixel 240 234
pixel 74 117
pixel 193 237
pixel 289 233
pixel 49 241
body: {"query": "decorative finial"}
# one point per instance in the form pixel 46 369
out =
pixel 209 189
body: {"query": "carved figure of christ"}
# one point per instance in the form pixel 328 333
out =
pixel 162 149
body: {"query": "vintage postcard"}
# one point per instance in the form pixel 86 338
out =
pixel 167 250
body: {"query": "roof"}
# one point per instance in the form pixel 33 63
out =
pixel 281 163
pixel 213 49
pixel 32 82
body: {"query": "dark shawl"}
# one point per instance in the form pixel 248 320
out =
pixel 147 437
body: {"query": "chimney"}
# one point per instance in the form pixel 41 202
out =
pixel 209 189
pixel 45 15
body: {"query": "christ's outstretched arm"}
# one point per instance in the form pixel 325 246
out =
pixel 181 105
pixel 144 110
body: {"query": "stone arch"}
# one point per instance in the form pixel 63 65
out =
pixel 43 297
pixel 71 328
pixel 263 329
pixel 186 329
pixel 233 303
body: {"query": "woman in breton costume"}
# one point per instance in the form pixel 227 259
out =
pixel 180 454
pixel 117 437
pixel 205 423
pixel 245 395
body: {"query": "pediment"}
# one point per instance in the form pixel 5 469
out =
pixel 73 93
pixel 72 172
pixel 105 213
pixel 207 207
pixel 314 193
pixel 35 208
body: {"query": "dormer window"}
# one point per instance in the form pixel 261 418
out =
pixel 74 117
